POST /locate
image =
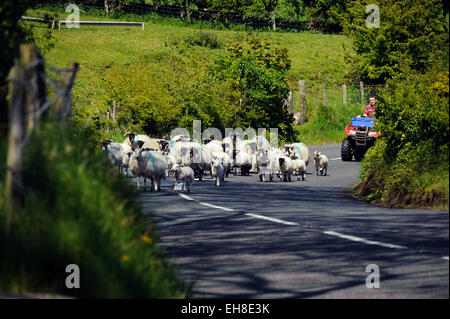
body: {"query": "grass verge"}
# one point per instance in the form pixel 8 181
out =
pixel 77 211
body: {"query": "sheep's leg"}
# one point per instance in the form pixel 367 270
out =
pixel 289 177
pixel 145 184
pixel 158 184
pixel 138 183
pixel 152 185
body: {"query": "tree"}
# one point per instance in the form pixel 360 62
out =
pixel 258 72
pixel 270 6
pixel 11 35
pixel 411 35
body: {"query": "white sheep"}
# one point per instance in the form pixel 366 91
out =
pixel 285 167
pixel 321 162
pixel 217 171
pixel 185 174
pixel 225 160
pixel 215 146
pixel 192 154
pixel 298 150
pixel 126 162
pixel 171 163
pixel 299 168
pixel 244 162
pixel 116 153
pixel 263 164
pixel 151 165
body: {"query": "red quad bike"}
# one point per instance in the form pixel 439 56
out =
pixel 361 135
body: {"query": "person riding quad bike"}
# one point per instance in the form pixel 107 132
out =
pixel 361 134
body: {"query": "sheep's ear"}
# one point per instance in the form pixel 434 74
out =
pixel 140 143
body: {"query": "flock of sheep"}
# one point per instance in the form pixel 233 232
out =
pixel 157 159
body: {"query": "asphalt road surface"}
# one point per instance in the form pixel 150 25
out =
pixel 303 239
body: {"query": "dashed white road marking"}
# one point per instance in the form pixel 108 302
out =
pixel 362 240
pixel 276 220
pixel 218 207
pixel 335 159
pixel 185 197
pixel 446 258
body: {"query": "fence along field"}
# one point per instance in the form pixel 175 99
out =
pixel 28 103
pixel 184 12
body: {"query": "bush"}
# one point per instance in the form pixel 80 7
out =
pixel 77 211
pixel 205 39
pixel 258 71
pixel 411 35
pixel 410 162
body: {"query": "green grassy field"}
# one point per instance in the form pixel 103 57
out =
pixel 316 58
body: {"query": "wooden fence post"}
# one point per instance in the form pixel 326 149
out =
pixel 114 111
pixel 344 93
pixel 290 103
pixel 302 95
pixel 324 94
pixel 62 106
pixel 361 87
pixel 14 184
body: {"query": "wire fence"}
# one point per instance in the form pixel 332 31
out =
pixel 346 98
pixel 28 103
pixel 212 16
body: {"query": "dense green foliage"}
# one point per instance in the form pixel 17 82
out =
pixel 411 35
pixel 410 161
pixel 244 87
pixel 77 211
pixel 258 72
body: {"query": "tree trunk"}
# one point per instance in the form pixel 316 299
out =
pixel 274 24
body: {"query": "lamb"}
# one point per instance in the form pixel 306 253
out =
pixel 116 153
pixel 126 162
pixel 321 162
pixel 285 167
pixel 299 167
pixel 171 163
pixel 263 164
pixel 217 171
pixel 298 150
pixel 151 165
pixel 185 174
pixel 225 160
pixel 192 154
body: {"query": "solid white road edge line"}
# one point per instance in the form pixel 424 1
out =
pixel 362 240
pixel 446 258
pixel 276 220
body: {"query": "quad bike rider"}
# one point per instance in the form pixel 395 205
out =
pixel 361 134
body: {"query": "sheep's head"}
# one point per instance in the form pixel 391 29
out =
pixel 105 144
pixel 316 154
pixel 281 161
pixel 131 136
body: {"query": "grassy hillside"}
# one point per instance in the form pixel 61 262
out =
pixel 316 58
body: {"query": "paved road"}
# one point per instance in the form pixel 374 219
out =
pixel 304 239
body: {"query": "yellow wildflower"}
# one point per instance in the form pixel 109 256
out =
pixel 125 258
pixel 146 239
